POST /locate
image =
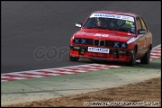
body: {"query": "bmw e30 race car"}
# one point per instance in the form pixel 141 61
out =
pixel 112 36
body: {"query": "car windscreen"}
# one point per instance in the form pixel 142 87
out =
pixel 118 24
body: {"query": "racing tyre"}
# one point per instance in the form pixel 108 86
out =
pixel 146 58
pixel 73 58
pixel 93 60
pixel 133 59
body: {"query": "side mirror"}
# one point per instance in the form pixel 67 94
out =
pixel 141 31
pixel 79 25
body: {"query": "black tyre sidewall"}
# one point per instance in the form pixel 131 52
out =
pixel 73 58
pixel 146 58
pixel 133 59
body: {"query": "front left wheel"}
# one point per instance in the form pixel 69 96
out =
pixel 73 58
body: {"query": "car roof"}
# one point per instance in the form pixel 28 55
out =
pixel 117 12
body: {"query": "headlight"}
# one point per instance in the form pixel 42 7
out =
pixel 80 41
pixel 120 45
pixel 83 41
pixel 77 41
pixel 116 44
pixel 123 45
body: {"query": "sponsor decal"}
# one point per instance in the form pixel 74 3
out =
pixel 129 22
pixel 122 17
pixel 101 35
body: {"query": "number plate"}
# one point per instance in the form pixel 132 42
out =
pixel 98 50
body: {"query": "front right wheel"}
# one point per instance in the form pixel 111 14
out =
pixel 133 58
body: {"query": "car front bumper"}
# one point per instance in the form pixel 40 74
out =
pixel 113 55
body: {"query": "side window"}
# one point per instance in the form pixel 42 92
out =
pixel 138 24
pixel 143 24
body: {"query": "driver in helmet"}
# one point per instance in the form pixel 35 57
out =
pixel 100 23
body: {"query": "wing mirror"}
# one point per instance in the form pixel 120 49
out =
pixel 79 25
pixel 141 31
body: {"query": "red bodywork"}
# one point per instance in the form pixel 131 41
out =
pixel 141 42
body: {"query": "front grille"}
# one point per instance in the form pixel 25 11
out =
pixel 96 43
pixel 109 43
pixel 105 43
pixel 99 43
pixel 102 43
pixel 90 41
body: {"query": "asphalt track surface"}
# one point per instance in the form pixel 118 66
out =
pixel 36 34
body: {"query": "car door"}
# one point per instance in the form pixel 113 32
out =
pixel 147 36
pixel 140 38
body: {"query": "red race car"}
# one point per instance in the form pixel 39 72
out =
pixel 113 36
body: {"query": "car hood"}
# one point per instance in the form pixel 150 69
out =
pixel 104 35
